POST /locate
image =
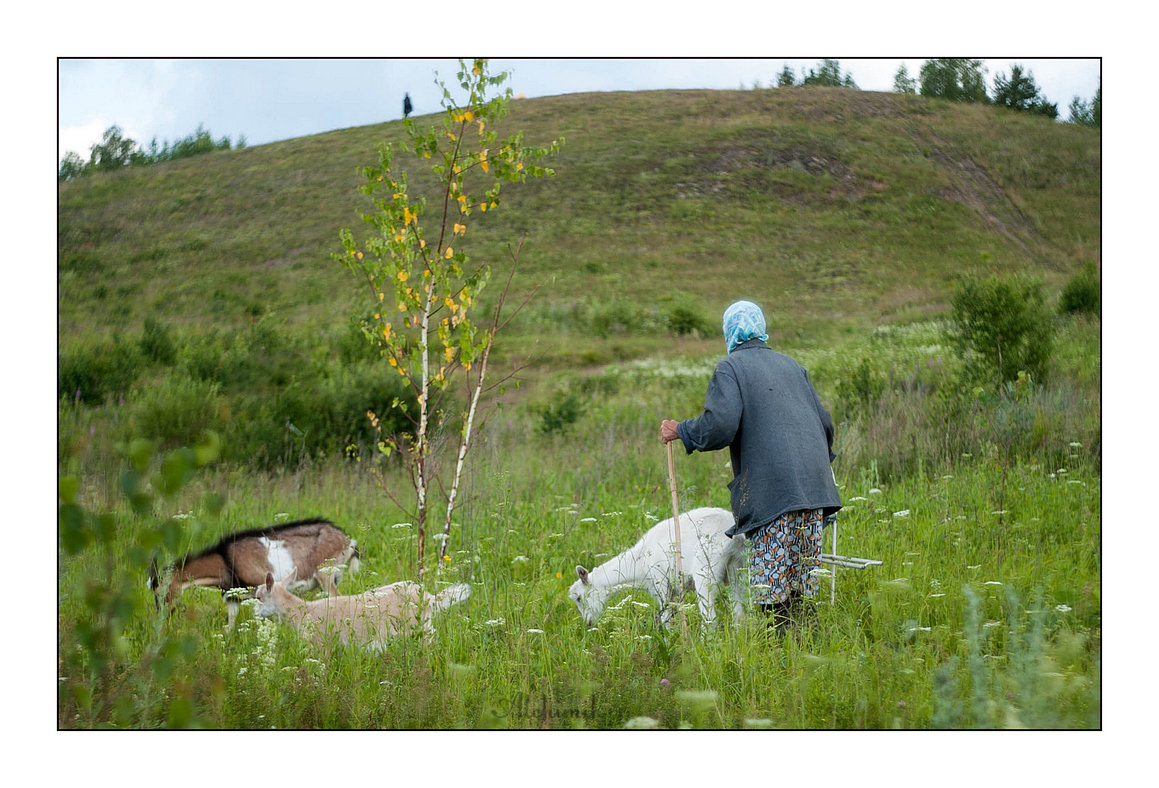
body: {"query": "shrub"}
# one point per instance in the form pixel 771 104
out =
pixel 684 315
pixel 201 357
pixel 1002 327
pixel 177 412
pixel 559 414
pixel 617 317
pixel 157 342
pixel 861 389
pixel 1083 293
pixel 92 373
pixel 313 417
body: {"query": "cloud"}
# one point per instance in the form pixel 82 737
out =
pixel 80 139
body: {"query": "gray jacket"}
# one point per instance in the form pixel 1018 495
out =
pixel 762 406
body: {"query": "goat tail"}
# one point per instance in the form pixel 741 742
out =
pixel 450 596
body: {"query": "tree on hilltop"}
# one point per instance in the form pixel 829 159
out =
pixel 113 152
pixel 955 79
pixel 786 79
pixel 1022 93
pixel 903 82
pixel 1084 113
pixel 828 74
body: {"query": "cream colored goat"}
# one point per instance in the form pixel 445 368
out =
pixel 368 619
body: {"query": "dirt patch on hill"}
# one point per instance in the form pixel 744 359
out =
pixel 760 162
pixel 971 185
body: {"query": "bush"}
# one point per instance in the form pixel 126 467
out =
pixel 202 357
pixel 93 373
pixel 314 417
pixel 559 415
pixel 1002 327
pixel 1083 293
pixel 178 412
pixel 157 342
pixel 864 385
pixel 684 315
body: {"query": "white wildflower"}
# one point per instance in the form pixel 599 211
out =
pixel 992 583
pixel 1000 511
pixel 975 566
pixel 757 723
pixel 642 723
pixel 651 517
pixel 640 604
pixel 875 491
pixel 1061 471
pixel 857 498
pixel 402 525
pixel 281 516
pixel 611 514
pixel 1062 608
pixel 495 622
pixel 820 572
pixel 936 596
pixel 520 559
pixel 536 631
pixel 588 520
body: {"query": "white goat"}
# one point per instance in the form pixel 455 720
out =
pixel 708 558
pixel 368 619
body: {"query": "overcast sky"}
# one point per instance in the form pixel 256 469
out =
pixel 275 99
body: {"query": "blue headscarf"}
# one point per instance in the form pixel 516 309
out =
pixel 743 321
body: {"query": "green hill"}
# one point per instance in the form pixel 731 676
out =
pixel 835 209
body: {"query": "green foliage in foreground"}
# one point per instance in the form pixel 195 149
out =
pixel 985 613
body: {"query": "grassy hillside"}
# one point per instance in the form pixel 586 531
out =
pixel 834 208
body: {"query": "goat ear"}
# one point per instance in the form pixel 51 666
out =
pixel 269 582
pixel 582 573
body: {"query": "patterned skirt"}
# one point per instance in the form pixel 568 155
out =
pixel 783 555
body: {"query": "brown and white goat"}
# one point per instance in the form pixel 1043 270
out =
pixel 368 619
pixel 314 550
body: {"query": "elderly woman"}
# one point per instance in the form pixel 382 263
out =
pixel 762 406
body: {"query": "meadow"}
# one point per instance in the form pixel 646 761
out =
pixel 210 308
pixel 985 613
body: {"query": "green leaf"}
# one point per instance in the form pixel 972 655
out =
pixel 74 536
pixel 142 503
pixel 208 449
pixel 106 528
pixel 130 482
pixel 67 488
pixel 176 469
pixel 141 453
pixel 171 534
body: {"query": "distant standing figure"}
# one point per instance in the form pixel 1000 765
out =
pixel 406 105
pixel 762 406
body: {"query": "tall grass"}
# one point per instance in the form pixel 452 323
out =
pixel 935 637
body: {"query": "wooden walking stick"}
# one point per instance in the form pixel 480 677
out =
pixel 678 593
